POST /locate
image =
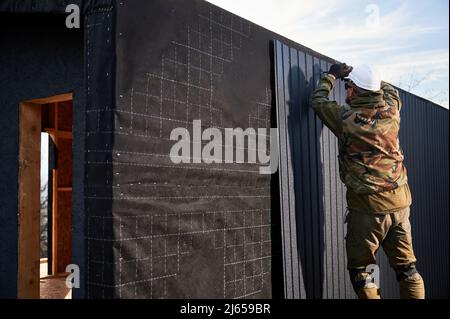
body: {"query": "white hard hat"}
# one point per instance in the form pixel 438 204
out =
pixel 366 77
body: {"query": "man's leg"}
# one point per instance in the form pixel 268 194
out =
pixel 364 234
pixel 398 246
pixel 363 285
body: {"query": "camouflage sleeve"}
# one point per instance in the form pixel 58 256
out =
pixel 328 111
pixel 391 95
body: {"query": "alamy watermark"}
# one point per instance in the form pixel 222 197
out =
pixel 373 18
pixel 373 277
pixel 73 280
pixel 73 19
pixel 226 146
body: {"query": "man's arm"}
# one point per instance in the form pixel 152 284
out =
pixel 328 111
pixel 391 95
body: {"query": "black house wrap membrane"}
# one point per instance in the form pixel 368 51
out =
pixel 145 227
pixel 183 230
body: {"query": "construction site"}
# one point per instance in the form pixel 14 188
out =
pixel 90 189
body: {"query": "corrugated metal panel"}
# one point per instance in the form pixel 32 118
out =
pixel 424 137
pixel 316 195
pixel 313 205
pixel 288 224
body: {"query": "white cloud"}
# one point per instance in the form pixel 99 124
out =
pixel 277 15
pixel 339 29
pixel 431 62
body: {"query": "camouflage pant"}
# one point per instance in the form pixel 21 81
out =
pixel 366 232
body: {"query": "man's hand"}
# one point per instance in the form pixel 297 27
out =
pixel 340 71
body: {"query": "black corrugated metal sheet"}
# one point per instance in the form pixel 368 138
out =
pixel 424 137
pixel 312 197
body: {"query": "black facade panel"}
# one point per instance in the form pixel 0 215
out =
pixel 424 137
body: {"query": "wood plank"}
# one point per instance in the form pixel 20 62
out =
pixel 59 134
pixel 62 216
pixel 55 221
pixel 29 200
pixel 53 99
pixel 64 165
pixel 65 117
pixel 64 231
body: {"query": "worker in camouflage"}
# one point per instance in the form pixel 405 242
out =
pixel 371 166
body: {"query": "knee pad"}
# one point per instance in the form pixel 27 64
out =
pixel 411 283
pixel 363 285
pixel 361 279
pixel 408 272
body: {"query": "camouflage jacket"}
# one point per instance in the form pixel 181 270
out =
pixel 370 156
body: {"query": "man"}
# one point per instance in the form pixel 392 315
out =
pixel 371 166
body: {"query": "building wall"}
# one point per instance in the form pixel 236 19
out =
pixel 39 57
pixel 95 259
pixel 188 231
pixel 147 228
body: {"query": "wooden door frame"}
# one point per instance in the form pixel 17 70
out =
pixel 28 277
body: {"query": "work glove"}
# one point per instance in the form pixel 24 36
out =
pixel 340 70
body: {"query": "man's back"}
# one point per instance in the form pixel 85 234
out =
pixel 371 159
pixel 370 156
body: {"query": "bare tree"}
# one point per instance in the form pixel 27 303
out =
pixel 44 221
pixel 412 82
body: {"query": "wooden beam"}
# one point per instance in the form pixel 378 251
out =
pixel 53 99
pixel 29 201
pixel 54 223
pixel 59 134
pixel 55 215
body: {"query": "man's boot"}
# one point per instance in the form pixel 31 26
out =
pixel 369 293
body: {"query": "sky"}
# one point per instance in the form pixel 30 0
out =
pixel 407 39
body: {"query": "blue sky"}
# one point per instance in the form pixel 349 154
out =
pixel 407 39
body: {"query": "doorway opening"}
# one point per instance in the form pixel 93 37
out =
pixel 45 197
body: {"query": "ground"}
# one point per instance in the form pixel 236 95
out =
pixel 53 287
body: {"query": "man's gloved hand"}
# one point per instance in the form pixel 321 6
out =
pixel 340 70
